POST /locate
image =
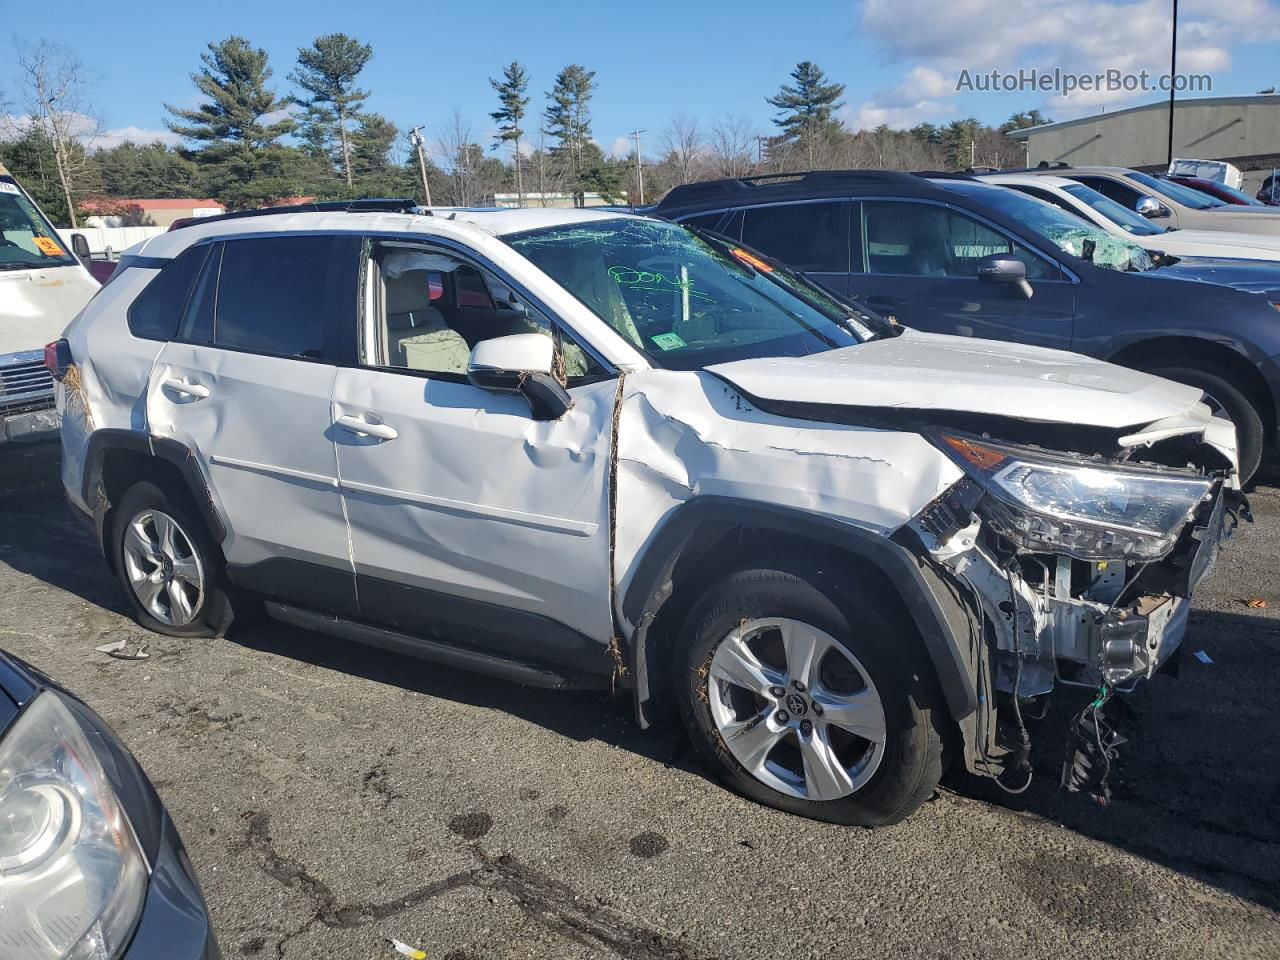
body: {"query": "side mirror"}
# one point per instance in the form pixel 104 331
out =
pixel 80 246
pixel 521 363
pixel 1150 207
pixel 1004 268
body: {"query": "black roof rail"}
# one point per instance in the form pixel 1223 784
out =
pixel 372 205
pixel 942 175
pixel 813 179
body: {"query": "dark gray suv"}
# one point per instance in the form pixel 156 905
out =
pixel 949 254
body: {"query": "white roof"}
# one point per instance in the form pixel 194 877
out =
pixel 462 224
pixel 1029 179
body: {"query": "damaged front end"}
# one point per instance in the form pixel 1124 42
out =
pixel 1077 568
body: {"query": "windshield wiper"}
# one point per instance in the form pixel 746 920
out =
pixel 19 265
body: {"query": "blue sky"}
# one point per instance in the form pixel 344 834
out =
pixel 899 58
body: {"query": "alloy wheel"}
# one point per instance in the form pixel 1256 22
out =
pixel 163 568
pixel 796 709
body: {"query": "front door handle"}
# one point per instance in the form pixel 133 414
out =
pixel 196 391
pixel 364 428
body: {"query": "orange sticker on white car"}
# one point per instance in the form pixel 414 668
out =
pixel 49 247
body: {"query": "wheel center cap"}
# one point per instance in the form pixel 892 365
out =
pixel 797 704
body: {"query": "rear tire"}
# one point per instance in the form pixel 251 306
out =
pixel 1234 404
pixel 799 694
pixel 172 572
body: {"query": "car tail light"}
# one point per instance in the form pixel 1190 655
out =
pixel 57 358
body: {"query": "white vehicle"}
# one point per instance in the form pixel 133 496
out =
pixel 42 286
pixel 1117 219
pixel 568 447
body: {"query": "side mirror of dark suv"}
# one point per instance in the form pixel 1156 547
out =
pixel 1003 268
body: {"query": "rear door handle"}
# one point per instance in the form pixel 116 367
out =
pixel 196 391
pixel 364 428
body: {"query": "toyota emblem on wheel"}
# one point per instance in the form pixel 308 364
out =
pixel 797 705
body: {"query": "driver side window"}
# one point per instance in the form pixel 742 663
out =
pixel 427 309
pixel 927 240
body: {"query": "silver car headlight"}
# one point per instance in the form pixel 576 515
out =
pixel 1091 511
pixel 72 879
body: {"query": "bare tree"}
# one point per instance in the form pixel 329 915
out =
pixel 454 147
pixel 53 100
pixel 684 144
pixel 732 146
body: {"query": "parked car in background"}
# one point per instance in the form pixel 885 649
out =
pixel 1219 191
pixel 1169 204
pixel 91 866
pixel 573 448
pixel 1116 219
pixel 42 286
pixel 954 255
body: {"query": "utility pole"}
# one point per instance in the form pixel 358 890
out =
pixel 635 134
pixel 1173 74
pixel 760 151
pixel 415 138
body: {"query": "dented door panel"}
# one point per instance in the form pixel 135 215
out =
pixel 259 429
pixel 474 498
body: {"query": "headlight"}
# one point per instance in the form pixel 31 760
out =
pixel 1056 504
pixel 72 880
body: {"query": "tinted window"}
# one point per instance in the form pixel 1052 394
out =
pixel 154 314
pixel 1110 188
pixel 811 237
pixel 705 221
pixel 272 295
pixel 926 240
pixel 197 322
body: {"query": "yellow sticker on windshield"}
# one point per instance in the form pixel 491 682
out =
pixel 49 247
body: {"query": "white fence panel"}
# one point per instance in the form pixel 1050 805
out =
pixel 116 239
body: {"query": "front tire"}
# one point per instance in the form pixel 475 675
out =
pixel 171 571
pixel 801 695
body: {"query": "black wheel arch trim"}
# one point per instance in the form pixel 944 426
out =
pixel 652 585
pixel 107 439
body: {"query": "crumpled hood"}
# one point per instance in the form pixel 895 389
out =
pixel 925 371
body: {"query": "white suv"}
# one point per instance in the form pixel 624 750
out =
pixel 579 448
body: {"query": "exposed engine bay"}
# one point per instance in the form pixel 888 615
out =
pixel 1077 568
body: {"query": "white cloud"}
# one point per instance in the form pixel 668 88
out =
pixel 132 134
pixel 936 41
pixel 620 148
pixel 89 131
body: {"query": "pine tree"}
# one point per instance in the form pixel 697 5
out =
pixel 239 128
pixel 807 107
pixel 327 72
pixel 512 103
pixel 568 117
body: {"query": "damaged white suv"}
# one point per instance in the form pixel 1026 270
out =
pixel 575 448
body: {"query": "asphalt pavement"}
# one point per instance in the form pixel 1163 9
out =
pixel 333 796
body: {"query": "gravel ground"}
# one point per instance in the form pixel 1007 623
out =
pixel 332 796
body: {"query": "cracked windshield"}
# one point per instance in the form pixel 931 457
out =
pixel 686 302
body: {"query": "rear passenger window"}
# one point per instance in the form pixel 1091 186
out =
pixel 272 293
pixel 154 314
pixel 811 237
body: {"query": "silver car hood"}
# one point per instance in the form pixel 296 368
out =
pixel 924 371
